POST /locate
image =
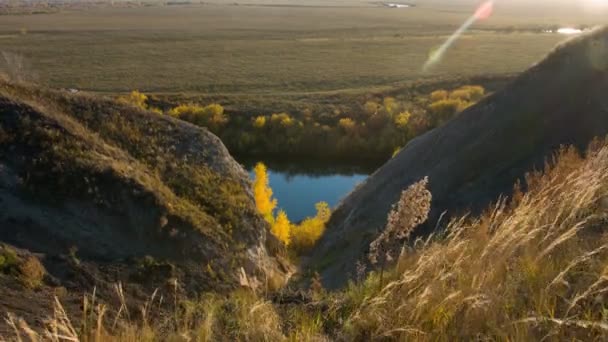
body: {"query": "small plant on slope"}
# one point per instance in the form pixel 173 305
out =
pixel 411 210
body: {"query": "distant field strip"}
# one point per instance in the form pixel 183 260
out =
pixel 235 49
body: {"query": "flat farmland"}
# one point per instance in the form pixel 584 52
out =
pixel 270 47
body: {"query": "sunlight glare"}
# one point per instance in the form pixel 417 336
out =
pixel 483 12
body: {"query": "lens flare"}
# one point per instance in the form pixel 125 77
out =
pixel 483 12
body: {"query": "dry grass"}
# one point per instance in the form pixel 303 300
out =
pixel 530 268
pixel 525 271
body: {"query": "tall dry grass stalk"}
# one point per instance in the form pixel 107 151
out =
pixel 533 269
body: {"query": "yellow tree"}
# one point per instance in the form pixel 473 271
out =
pixel 263 193
pixel 282 228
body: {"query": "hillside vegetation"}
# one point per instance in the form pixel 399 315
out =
pixel 102 192
pixel 371 129
pixel 531 267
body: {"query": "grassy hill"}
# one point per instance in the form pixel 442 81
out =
pixel 481 153
pixel 92 187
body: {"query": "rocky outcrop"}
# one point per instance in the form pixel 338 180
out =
pixel 479 155
pixel 109 184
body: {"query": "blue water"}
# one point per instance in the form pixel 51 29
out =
pixel 297 193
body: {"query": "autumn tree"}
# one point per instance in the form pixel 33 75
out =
pixel 263 193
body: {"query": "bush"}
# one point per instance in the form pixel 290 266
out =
pixel 347 125
pixel 439 95
pixel 468 93
pixel 28 270
pixel 9 261
pixel 135 98
pixel 443 110
pixel 282 120
pixel 211 116
pixel 402 120
pixel 259 122
pixel 31 272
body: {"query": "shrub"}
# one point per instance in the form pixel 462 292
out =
pixel 282 120
pixel 347 125
pixel 371 107
pixel 9 260
pixel 468 93
pixel 259 122
pixel 443 110
pixel 211 116
pixel 391 106
pixel 439 95
pixel 402 120
pixel 135 98
pixel 31 272
pixel 476 93
pixel 28 270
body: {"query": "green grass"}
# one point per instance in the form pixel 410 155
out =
pixel 219 48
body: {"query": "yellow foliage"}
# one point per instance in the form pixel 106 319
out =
pixel 156 110
pixel 185 109
pixel 263 193
pixel 468 93
pixel 306 234
pixel 135 98
pixel 259 122
pixel 281 228
pixel 402 119
pixel 390 105
pixel 439 95
pixel 371 107
pixel 211 116
pixel 476 93
pixel 347 124
pixel 443 110
pixel 301 237
pixel 283 119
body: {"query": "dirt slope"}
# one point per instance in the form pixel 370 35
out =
pixel 479 155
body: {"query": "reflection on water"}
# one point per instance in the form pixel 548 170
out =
pixel 298 186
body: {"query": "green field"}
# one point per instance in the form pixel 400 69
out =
pixel 269 47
